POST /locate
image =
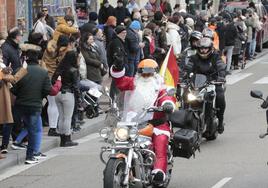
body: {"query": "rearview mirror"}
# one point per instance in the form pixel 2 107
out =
pixel 256 94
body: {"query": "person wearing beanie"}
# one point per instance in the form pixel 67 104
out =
pixel 91 24
pixel 109 29
pixel 120 12
pixel 135 25
pixel 93 16
pixel 117 51
pixel 10 49
pixel 160 36
pixel 105 11
pixel 134 48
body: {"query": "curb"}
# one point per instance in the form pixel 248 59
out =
pixel 16 157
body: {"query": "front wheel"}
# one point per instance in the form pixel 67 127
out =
pixel 114 174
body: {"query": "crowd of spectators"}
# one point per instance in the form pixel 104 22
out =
pixel 58 60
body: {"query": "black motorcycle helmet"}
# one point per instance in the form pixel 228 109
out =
pixel 194 38
pixel 205 47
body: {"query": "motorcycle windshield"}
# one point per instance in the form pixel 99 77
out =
pixel 199 80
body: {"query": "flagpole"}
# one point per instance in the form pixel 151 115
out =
pixel 164 65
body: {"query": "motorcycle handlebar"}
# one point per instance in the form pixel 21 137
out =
pixel 155 109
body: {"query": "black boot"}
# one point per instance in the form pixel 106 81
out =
pixel 220 127
pixel 68 142
pixel 62 140
pixel 52 132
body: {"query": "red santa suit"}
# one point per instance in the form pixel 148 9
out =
pixel 143 93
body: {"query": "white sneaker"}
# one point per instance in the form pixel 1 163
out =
pixel 32 160
pixel 40 155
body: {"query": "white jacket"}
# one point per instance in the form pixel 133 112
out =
pixel 173 37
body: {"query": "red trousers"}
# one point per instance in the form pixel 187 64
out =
pixel 160 143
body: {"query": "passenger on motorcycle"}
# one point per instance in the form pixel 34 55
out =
pixel 208 61
pixel 191 50
pixel 145 90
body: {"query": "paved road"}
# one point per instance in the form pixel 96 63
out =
pixel 237 159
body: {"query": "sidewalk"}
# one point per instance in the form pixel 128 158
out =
pixel 15 157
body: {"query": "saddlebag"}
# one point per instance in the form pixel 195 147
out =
pixel 185 143
pixel 184 119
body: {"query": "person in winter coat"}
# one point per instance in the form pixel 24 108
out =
pixel 53 55
pixel 10 49
pixel 120 12
pixel 160 36
pixel 166 7
pixel 149 44
pixel 65 100
pixel 134 48
pixel 230 36
pixel 117 51
pixel 105 11
pixel 100 47
pixel 109 29
pixel 40 26
pixel 132 5
pixel 6 116
pixel 65 27
pixel 49 19
pixel 92 58
pixel 174 38
pixel 91 24
pixel 29 93
pixel 201 22
pixel 151 6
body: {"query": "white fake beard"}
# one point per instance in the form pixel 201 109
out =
pixel 145 93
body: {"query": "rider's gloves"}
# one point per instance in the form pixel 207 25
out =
pixel 168 107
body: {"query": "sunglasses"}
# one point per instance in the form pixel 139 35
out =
pixel 44 10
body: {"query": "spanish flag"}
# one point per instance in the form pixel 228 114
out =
pixel 169 69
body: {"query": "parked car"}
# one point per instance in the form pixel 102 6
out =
pixel 262 35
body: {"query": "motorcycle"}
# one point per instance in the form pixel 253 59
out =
pixel 264 105
pixel 130 152
pixel 197 97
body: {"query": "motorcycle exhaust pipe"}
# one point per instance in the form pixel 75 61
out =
pixel 263 135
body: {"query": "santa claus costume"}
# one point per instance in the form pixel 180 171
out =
pixel 146 90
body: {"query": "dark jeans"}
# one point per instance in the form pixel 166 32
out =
pixel 31 121
pixel 220 102
pixel 7 128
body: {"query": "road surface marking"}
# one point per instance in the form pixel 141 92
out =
pixel 263 80
pixel 222 182
pixel 50 154
pixel 232 79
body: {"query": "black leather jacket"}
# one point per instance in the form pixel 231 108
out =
pixel 213 67
pixel 70 80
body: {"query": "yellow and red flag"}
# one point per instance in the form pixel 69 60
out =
pixel 169 69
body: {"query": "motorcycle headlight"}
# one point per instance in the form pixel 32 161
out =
pixel 133 133
pixel 191 97
pixel 122 134
pixel 104 133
